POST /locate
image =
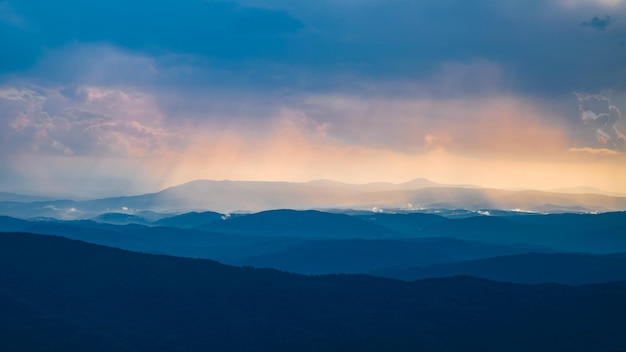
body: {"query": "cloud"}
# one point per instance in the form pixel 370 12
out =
pixel 464 108
pixel 601 120
pixel 599 23
pixel 598 151
pixel 223 29
pixel 309 45
pixel 493 125
pixel 91 121
pixel 611 4
pixel 120 137
pixel 277 89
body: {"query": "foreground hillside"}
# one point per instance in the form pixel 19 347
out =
pixel 58 294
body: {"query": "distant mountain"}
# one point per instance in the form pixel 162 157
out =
pixel 279 247
pixel 14 197
pixel 189 220
pixel 240 196
pixel 232 196
pixel 120 219
pixel 412 185
pixel 475 199
pixel 360 256
pixel 265 233
pixel 587 190
pixel 59 294
pixel 574 222
pixel 531 268
pixel 294 223
pixel 597 233
pixel 408 224
pixel 9 224
pixel 140 238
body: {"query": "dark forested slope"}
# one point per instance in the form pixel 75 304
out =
pixel 60 294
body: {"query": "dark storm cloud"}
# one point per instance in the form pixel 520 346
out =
pixel 221 29
pixel 320 44
pixel 288 82
pixel 599 23
pixel 207 60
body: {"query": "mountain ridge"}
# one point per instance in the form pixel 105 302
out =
pixel 527 268
pixel 112 299
pixel 254 196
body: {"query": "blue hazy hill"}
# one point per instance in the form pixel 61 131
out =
pixel 598 233
pixel 531 268
pixel 314 242
pixel 408 224
pixel 361 256
pixel 294 253
pixel 243 196
pixel 8 223
pixel 120 219
pixel 189 220
pixel 308 223
pixel 59 294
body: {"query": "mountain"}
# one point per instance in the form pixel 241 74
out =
pixel 277 247
pixel 360 256
pixel 242 196
pixel 120 219
pixel 59 294
pixel 232 196
pixel 14 197
pixel 148 239
pixel 189 220
pixel 597 233
pixel 263 238
pixel 531 268
pixel 478 198
pixel 9 224
pixel 294 223
pixel 408 224
pixel 587 190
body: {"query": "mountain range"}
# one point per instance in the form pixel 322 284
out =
pixel 512 248
pixel 240 196
pixel 314 266
pixel 58 294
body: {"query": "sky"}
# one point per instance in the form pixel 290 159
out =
pixel 118 97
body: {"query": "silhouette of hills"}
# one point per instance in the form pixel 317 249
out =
pixel 266 237
pixel 598 233
pixel 189 220
pixel 309 223
pixel 291 251
pixel 408 224
pixel 58 294
pixel 242 196
pixel 120 219
pixel 531 268
pixel 14 197
pixel 361 256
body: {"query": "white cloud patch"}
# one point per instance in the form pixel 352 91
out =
pixel 601 119
pixel 609 4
